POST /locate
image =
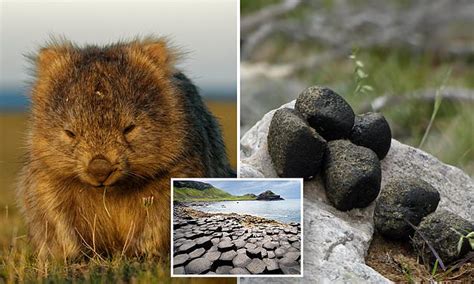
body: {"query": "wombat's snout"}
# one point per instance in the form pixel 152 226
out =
pixel 100 168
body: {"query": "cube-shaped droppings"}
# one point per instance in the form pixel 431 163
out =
pixel 371 130
pixel 326 111
pixel 295 148
pixel 352 175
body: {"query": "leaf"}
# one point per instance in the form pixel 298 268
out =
pixel 471 243
pixel 460 242
pixel 352 56
pixel 368 88
pixel 361 73
pixel 359 63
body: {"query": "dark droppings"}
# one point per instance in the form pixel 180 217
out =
pixel 296 149
pixel 401 201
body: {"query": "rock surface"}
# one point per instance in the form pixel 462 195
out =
pixel 440 230
pixel 326 111
pixel 336 242
pixel 234 244
pixel 371 130
pixel 296 149
pixel 351 174
pixel 401 200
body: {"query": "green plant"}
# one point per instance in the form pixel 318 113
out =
pixel 437 103
pixel 360 76
pixel 462 238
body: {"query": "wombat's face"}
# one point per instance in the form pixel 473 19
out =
pixel 106 116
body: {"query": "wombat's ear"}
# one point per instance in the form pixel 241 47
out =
pixel 50 60
pixel 161 54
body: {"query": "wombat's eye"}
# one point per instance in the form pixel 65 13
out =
pixel 69 133
pixel 128 129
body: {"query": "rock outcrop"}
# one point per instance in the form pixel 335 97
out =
pixel 269 195
pixel 335 242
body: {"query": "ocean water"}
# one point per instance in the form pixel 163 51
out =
pixel 285 211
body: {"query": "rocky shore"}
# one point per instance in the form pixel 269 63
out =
pixel 207 243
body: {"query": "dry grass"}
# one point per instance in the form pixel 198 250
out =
pixel 397 261
pixel 17 261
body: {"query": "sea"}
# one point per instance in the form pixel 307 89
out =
pixel 285 211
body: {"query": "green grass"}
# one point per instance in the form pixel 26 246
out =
pixel 210 194
pixel 17 260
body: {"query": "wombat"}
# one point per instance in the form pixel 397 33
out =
pixel 109 127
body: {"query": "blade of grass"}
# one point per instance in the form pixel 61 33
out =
pixel 437 104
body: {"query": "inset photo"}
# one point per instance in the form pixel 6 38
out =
pixel 237 227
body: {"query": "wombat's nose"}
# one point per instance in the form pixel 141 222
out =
pixel 100 168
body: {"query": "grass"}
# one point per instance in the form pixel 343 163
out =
pixel 17 261
pixel 210 194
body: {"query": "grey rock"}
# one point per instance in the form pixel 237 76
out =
pixel 352 175
pixel 270 245
pixel 295 148
pixel 371 130
pixel 187 247
pixel 212 255
pixel 280 252
pixel 338 241
pixel 225 269
pixel 239 271
pixel 241 260
pixel 228 255
pixel 197 253
pixel 256 266
pixel 401 201
pixel 180 260
pixel 225 245
pixel 204 242
pixel 326 111
pixel 179 270
pixel 440 230
pixel 254 253
pixel 198 266
pixel 272 265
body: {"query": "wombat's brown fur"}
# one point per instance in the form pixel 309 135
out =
pixel 109 127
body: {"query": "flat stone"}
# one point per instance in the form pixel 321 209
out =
pixel 372 131
pixel 256 266
pixel 241 260
pixel 179 270
pixel 225 269
pixel 270 245
pixel 180 260
pixel 228 255
pixel 198 266
pixel 212 255
pixel 250 246
pixel 290 268
pixel 271 254
pixel 239 243
pixel 187 247
pixel 239 271
pixel 326 111
pixel 254 253
pixel 352 175
pixel 293 255
pixel 197 253
pixel 272 265
pixel 204 242
pixel 280 252
pixel 225 245
pixel 295 148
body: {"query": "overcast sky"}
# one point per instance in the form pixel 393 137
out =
pixel 286 188
pixel 207 29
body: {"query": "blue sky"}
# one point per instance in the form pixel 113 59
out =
pixel 287 189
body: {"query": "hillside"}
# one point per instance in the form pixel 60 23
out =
pixel 184 194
